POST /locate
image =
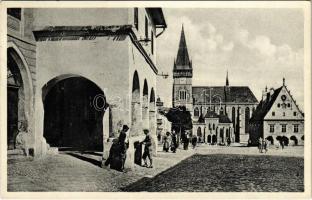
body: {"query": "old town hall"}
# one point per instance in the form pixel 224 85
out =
pixel 218 112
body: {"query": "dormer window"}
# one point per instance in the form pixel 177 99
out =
pixel 15 12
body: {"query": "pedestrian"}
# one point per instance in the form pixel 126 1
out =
pixel 282 144
pixel 186 141
pixel 118 151
pixel 148 149
pixel 194 141
pixel 228 141
pixel 265 145
pixel 123 141
pixel 166 142
pixel 173 142
pixel 260 145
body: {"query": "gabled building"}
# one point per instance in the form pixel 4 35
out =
pixel 235 102
pixel 277 118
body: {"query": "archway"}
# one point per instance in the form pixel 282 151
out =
pixel 73 113
pixel 270 139
pixel 145 112
pixel 19 96
pixel 209 139
pixel 199 134
pixel 294 140
pixel 286 140
pixel 214 139
pixel 247 117
pixel 135 105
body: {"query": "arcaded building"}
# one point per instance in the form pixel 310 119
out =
pixel 236 103
pixel 277 118
pixel 74 81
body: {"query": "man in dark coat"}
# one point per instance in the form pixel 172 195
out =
pixel 148 149
pixel 123 144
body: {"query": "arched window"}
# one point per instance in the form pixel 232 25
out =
pixel 247 117
pixel 209 126
pixel 196 112
pixel 213 126
pixel 221 111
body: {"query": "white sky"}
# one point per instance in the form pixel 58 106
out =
pixel 257 46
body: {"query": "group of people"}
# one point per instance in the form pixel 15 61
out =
pixel 118 151
pixel 263 145
pixel 170 141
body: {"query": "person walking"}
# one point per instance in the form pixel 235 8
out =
pixel 228 141
pixel 282 144
pixel 166 145
pixel 265 145
pixel 260 145
pixel 194 141
pixel 173 142
pixel 148 150
pixel 186 141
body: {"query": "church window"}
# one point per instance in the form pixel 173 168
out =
pixel 196 112
pixel 295 113
pixel 273 113
pixel 271 128
pixel 283 128
pixel 296 128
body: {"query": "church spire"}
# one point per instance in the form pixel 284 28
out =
pixel 183 60
pixel 227 78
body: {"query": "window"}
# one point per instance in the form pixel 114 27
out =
pixel 273 113
pixel 221 111
pixel 271 128
pixel 209 126
pixel 152 42
pixel 146 28
pixel 182 94
pixel 296 128
pixel 247 117
pixel 196 112
pixel 136 18
pixel 213 126
pixel 295 113
pixel 284 114
pixel 288 105
pixel 278 105
pixel 284 128
pixel 14 12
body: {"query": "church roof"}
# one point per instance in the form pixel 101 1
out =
pixel 229 94
pixel 182 61
pixel 211 114
pixel 264 106
pixel 224 119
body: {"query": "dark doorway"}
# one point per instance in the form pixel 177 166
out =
pixel 73 114
pixel 12 113
pixel 214 139
pixel 209 139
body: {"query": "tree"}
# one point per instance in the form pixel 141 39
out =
pixel 180 118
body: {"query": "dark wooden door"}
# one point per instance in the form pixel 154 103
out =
pixel 12 114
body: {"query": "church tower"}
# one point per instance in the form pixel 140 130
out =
pixel 182 77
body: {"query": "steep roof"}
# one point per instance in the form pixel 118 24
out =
pixel 264 106
pixel 233 94
pixel 211 114
pixel 182 60
pixel 224 119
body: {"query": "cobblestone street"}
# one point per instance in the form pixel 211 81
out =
pixel 207 168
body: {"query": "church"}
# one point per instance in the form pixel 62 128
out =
pixel 218 112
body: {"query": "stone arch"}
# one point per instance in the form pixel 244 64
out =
pixel 136 113
pixel 74 108
pixel 247 118
pixel 270 139
pixel 20 95
pixel 145 106
pixel 294 140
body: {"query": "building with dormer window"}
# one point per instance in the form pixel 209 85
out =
pixel 277 118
